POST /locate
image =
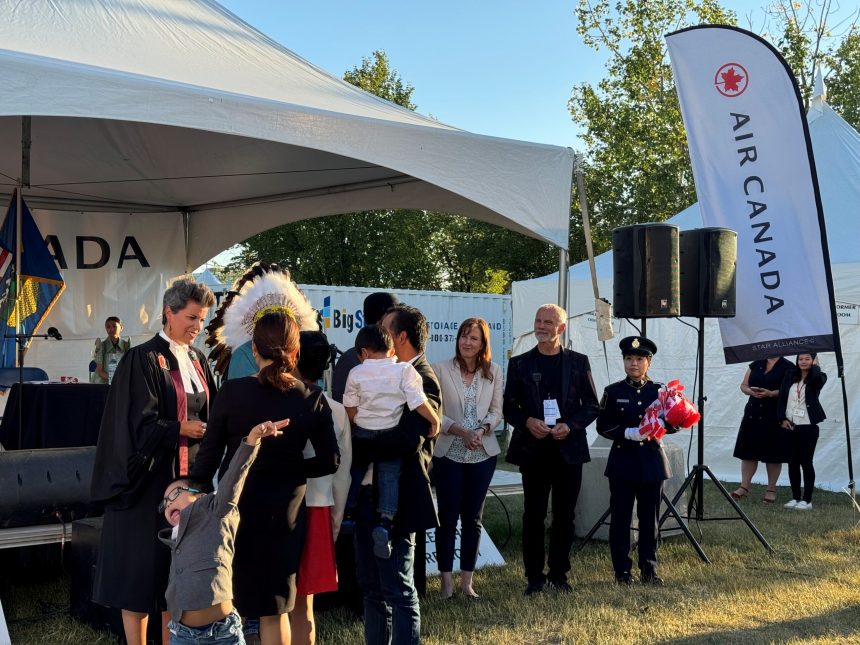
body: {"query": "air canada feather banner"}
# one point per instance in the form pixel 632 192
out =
pixel 754 171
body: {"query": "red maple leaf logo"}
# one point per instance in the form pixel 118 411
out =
pixel 731 80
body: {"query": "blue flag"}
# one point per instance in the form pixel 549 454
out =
pixel 40 286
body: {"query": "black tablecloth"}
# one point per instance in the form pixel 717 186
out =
pixel 55 415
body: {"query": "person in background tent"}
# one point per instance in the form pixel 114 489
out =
pixel 155 416
pixel 760 437
pixel 550 400
pixel 325 498
pixel 464 459
pixel 107 352
pixel 375 306
pixel 800 412
pixel 637 465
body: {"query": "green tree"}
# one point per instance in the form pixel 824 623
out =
pixel 815 37
pixel 637 167
pixel 409 249
pixel 376 76
pixel 843 83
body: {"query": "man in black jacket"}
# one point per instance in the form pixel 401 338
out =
pixel 391 609
pixel 550 401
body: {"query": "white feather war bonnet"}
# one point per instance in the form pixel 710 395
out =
pixel 263 288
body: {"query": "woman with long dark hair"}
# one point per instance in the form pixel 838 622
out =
pixel 800 412
pixel 271 534
pixel 464 459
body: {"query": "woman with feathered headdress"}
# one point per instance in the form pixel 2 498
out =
pixel 263 285
pixel 271 534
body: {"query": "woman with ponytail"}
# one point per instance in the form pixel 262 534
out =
pixel 271 534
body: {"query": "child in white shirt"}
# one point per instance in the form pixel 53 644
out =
pixel 376 391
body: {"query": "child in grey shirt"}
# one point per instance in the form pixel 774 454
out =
pixel 200 589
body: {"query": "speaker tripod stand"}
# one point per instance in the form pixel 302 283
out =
pixel 671 509
pixel 695 480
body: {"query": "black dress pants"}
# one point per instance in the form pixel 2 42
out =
pixel 647 497
pixel 802 446
pixel 563 480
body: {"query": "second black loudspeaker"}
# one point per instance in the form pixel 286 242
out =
pixel 708 272
pixel 645 267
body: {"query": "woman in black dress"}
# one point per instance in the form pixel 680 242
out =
pixel 152 424
pixel 271 534
pixel 760 437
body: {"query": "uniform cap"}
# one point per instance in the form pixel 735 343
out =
pixel 637 345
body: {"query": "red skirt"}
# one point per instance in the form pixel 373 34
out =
pixel 318 569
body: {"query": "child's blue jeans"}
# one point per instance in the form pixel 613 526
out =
pixel 227 631
pixel 387 477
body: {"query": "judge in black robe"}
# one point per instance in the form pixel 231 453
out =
pixel 154 417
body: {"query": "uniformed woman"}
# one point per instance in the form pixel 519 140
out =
pixel 637 466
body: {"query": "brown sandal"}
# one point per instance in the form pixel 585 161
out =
pixel 769 500
pixel 736 495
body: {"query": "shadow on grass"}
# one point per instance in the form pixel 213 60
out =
pixel 843 624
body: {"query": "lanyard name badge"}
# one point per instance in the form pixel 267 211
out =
pixel 550 412
pixel 799 410
pixel 550 406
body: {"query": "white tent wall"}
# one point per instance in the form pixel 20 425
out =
pixel 837 152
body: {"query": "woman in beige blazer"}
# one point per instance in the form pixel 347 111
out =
pixel 465 456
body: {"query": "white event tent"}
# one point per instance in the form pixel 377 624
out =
pixel 164 131
pixel 836 147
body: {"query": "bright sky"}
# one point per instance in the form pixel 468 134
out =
pixel 502 67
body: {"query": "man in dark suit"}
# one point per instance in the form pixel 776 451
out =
pixel 391 610
pixel 637 465
pixel 550 401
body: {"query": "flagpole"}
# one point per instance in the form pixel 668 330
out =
pixel 24 181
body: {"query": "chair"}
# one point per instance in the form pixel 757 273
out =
pixel 9 375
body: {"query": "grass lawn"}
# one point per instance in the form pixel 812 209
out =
pixel 807 592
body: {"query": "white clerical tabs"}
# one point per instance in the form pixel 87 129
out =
pixel 550 412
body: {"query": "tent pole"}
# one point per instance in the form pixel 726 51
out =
pixel 586 224
pixel 563 266
pixel 852 488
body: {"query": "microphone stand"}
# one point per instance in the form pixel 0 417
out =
pixel 21 342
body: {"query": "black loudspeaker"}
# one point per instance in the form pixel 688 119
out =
pixel 708 272
pixel 645 266
pixel 42 486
